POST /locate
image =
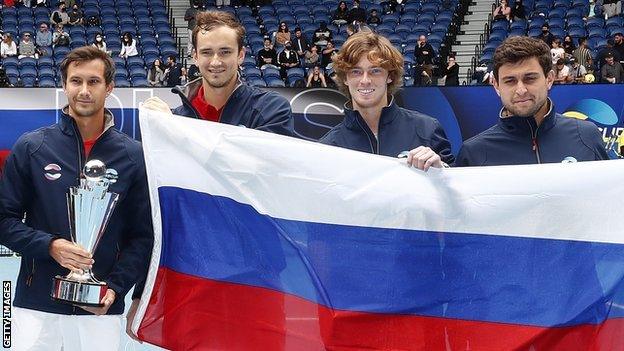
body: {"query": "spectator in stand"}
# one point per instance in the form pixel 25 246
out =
pixel 156 74
pixel 220 3
pixel 517 11
pixel 183 76
pixel 27 47
pixel 100 43
pixel 75 16
pixel 322 34
pixel 287 59
pixel 608 50
pixel 502 12
pixel 312 57
pixel 8 47
pixel 327 54
pixel 299 43
pixel 596 8
pixel 546 36
pixel 316 78
pixel 424 54
pixel 60 16
pixel 612 8
pixel 618 44
pixel 60 37
pixel 282 35
pixel 562 72
pixel 44 36
pixel 611 71
pixel 173 71
pixel 341 14
pixel 374 19
pixel 556 51
pixel 128 46
pixel 357 15
pixel 582 54
pixel 577 72
pixel 568 46
pixel 452 72
pixel 267 56
pixel 391 6
pixel 189 17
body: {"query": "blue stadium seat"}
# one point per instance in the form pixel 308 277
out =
pixel 28 72
pixel 47 82
pixel 28 81
pixel 27 62
pixel 45 61
pixel 256 82
pixel 252 73
pixel 135 61
pixel 138 72
pixel 577 33
pixel 122 83
pixel 595 22
pixel 140 82
pixel 270 72
pixel 47 72
pixel 275 83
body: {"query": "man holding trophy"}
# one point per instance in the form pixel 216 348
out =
pixel 74 203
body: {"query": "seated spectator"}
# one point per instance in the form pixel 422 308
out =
pixel 556 51
pixel 322 34
pixel 341 14
pixel 299 43
pixel 373 19
pixel 546 36
pixel 312 57
pixel 8 47
pixel 287 59
pixel 75 16
pixel 562 72
pixel 44 36
pixel 60 16
pixel 60 37
pixel 27 47
pixel 267 56
pixel 128 46
pixel 357 14
pixel 327 54
pixel 577 72
pixel 451 72
pixel 611 71
pixel 517 11
pixel 618 43
pixel 173 72
pixel 502 12
pixel 183 76
pixel 282 35
pixel 568 46
pixel 606 51
pixel 612 8
pixel 100 43
pixel 316 79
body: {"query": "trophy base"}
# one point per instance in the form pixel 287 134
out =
pixel 88 293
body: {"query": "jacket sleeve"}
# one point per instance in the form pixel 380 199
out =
pixel 592 138
pixel 275 115
pixel 441 145
pixel 138 239
pixel 463 158
pixel 16 194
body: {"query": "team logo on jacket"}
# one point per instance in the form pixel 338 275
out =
pixel 53 171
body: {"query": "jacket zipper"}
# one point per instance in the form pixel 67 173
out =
pixel 370 141
pixel 534 142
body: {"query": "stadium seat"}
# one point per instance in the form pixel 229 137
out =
pixel 46 83
pixel 275 83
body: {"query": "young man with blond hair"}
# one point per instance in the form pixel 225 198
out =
pixel 369 71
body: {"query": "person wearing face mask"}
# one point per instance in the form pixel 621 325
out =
pixel 100 43
pixel 287 59
pixel 546 36
pixel 60 37
pixel 75 16
pixel 60 15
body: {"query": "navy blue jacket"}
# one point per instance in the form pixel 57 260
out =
pixel 247 106
pixel 399 130
pixel 122 256
pixel 518 140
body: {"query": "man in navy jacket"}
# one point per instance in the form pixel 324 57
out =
pixel 369 69
pixel 38 173
pixel 528 130
pixel 219 96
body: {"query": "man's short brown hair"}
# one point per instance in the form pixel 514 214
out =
pixel 86 54
pixel 378 50
pixel 518 49
pixel 210 20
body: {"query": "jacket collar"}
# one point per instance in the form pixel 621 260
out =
pixel 354 119
pixel 68 125
pixel 523 125
pixel 188 91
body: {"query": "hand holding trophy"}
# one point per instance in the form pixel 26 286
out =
pixel 89 206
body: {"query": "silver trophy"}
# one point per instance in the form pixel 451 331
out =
pixel 89 206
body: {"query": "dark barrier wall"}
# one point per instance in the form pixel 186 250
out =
pixel 463 111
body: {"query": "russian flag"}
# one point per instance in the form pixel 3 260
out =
pixel 266 242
